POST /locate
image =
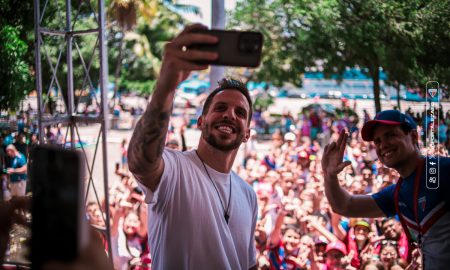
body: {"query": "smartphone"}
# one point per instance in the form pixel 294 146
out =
pixel 235 48
pixel 59 228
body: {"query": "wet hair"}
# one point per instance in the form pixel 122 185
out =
pixel 229 84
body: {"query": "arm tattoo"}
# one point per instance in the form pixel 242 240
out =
pixel 151 134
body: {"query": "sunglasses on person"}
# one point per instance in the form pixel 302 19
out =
pixel 388 243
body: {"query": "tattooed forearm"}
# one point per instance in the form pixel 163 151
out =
pixel 153 130
pixel 147 142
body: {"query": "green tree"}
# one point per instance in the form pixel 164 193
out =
pixel 16 52
pixel 279 21
pixel 432 36
pixel 333 35
pixel 138 66
pixel 15 73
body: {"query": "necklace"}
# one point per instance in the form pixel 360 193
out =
pixel 226 213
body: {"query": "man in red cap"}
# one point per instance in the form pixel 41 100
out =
pixel 423 211
pixel 335 259
pixel 334 253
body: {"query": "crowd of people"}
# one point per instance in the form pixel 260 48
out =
pixel 184 208
pixel 296 228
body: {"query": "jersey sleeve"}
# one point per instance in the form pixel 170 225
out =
pixel 385 200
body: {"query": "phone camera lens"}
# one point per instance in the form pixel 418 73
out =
pixel 249 43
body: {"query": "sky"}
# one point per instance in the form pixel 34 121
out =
pixel 205 7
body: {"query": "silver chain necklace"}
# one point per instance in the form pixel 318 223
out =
pixel 226 213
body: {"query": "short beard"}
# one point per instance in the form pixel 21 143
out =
pixel 206 134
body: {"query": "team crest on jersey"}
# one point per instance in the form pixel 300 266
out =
pixel 422 203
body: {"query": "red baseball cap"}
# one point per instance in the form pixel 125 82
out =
pixel 338 245
pixel 387 117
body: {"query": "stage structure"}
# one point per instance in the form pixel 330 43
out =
pixel 67 100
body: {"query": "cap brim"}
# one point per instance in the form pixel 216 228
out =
pixel 344 252
pixel 367 130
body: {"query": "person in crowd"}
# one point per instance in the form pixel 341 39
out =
pixel 5 193
pixel 388 253
pixel 373 265
pixel 392 230
pixel 21 144
pixel 17 171
pixel 34 141
pixel 335 258
pixel 284 246
pixel 196 202
pixel 50 136
pixel 358 241
pixel 396 140
pixel 129 238
pixel 124 154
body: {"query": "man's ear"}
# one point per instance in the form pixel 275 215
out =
pixel 200 121
pixel 415 137
pixel 247 135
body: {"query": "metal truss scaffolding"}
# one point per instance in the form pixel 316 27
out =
pixel 59 32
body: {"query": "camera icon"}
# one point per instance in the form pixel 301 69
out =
pixel 432 170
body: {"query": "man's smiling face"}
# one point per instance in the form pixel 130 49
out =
pixel 394 147
pixel 225 125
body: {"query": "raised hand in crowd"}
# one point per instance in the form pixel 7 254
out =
pixel 416 262
pixel 346 260
pixel 367 254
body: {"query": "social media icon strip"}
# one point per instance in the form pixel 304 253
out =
pixel 432 174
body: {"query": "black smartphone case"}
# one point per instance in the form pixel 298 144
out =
pixel 57 186
pixel 235 48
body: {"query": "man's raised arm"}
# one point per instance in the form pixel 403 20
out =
pixel 340 200
pixel 147 142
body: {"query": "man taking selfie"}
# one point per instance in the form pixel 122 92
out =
pixel 423 212
pixel 201 214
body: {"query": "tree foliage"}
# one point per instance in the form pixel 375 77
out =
pixel 137 54
pixel 142 50
pixel 15 72
pixel 16 54
pixel 406 39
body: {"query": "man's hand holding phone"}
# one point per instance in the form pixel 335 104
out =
pixel 179 61
pixel 196 47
